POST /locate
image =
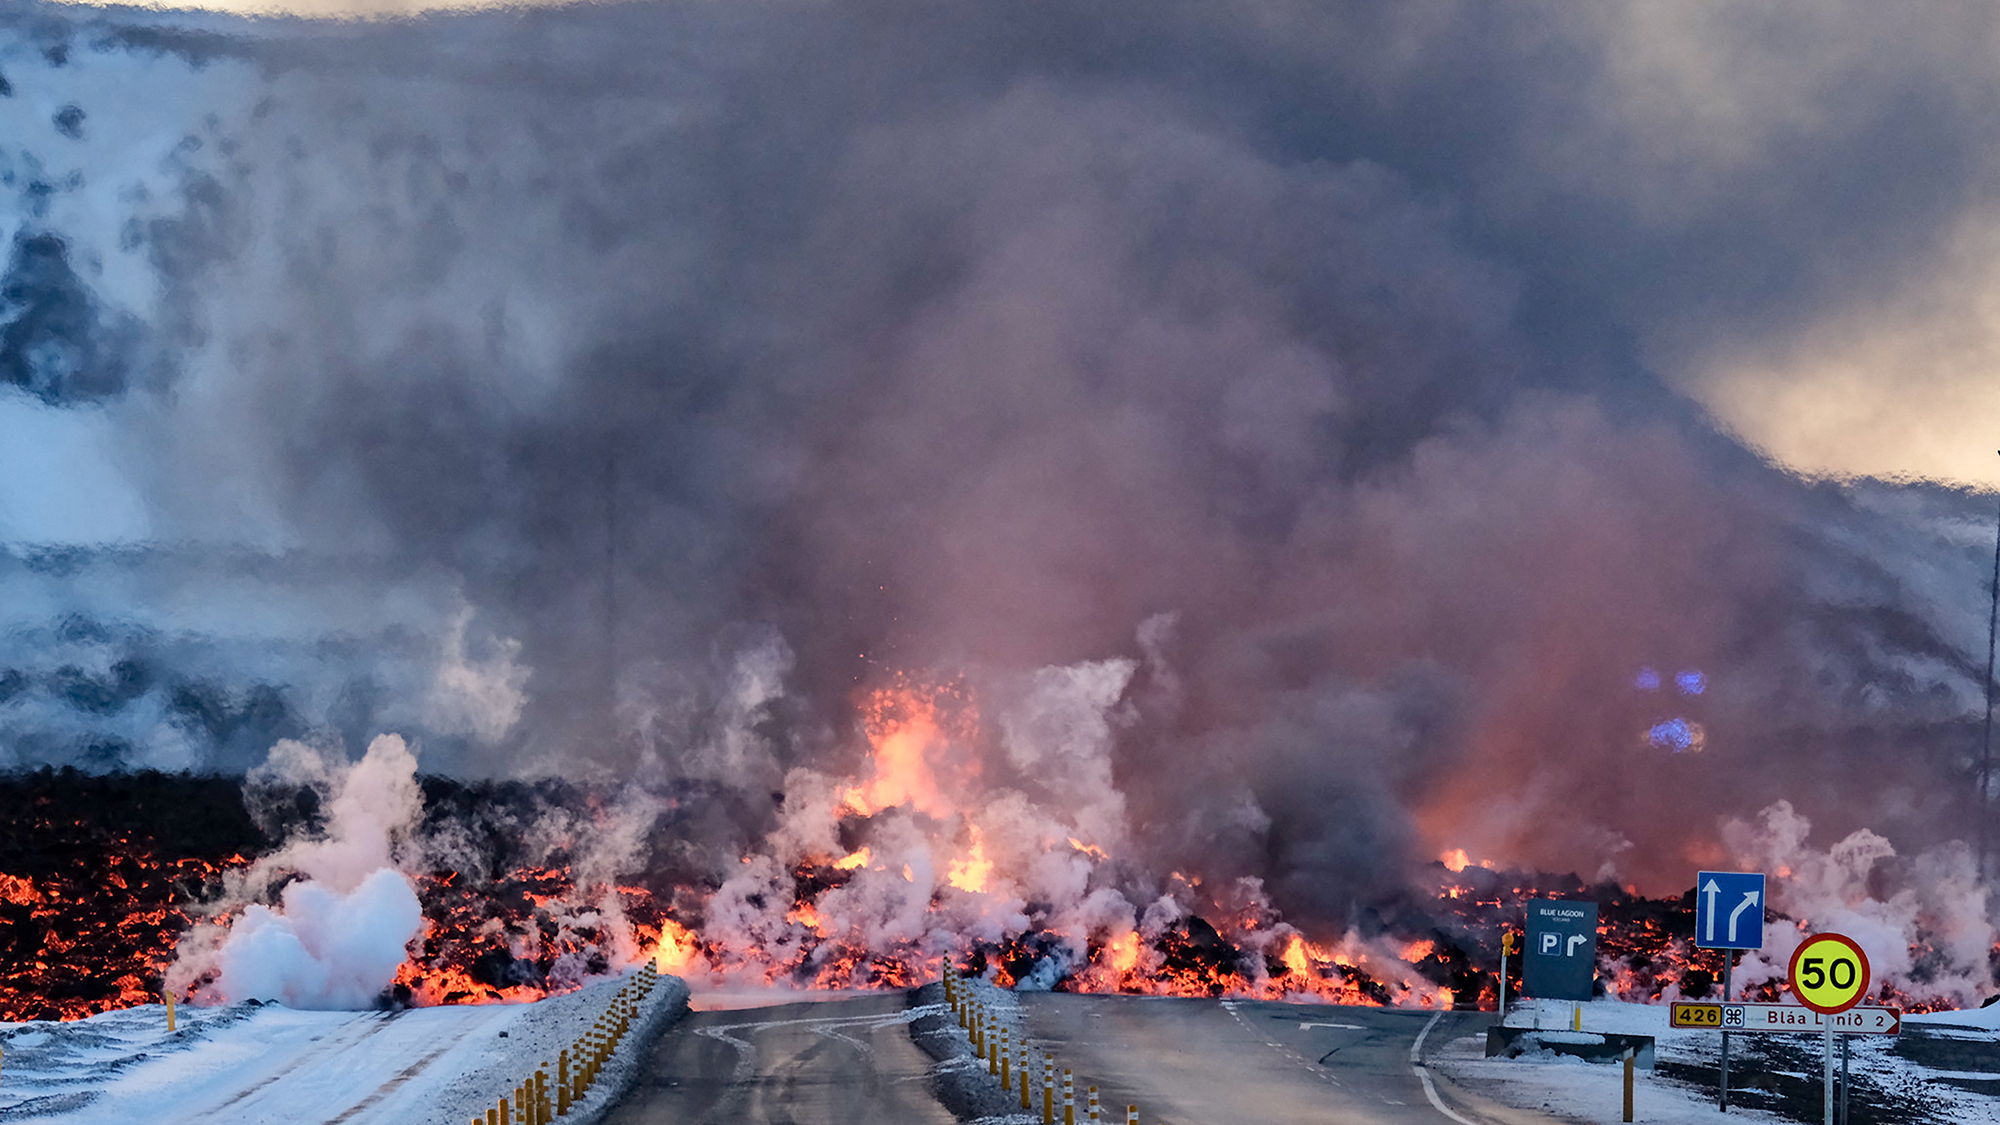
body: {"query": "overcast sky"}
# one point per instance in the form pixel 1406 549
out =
pixel 1800 198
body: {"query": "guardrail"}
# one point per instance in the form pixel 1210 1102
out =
pixel 1006 1053
pixel 578 1065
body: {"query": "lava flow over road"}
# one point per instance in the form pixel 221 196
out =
pixel 873 881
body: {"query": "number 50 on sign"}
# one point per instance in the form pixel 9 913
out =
pixel 1829 973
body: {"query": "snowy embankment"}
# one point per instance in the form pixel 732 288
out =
pixel 1944 1069
pixel 255 1063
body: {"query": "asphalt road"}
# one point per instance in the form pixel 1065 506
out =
pixel 835 1063
pixel 1183 1062
pixel 1207 1062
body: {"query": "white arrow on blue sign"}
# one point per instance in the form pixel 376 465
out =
pixel 1729 910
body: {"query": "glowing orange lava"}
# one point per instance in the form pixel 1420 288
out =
pixel 1124 953
pixel 972 872
pixel 907 729
pixel 678 948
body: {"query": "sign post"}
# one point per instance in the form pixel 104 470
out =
pixel 1728 915
pixel 1829 974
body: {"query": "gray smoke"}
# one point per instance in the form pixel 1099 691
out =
pixel 621 391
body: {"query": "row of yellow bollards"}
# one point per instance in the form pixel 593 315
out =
pixel 576 1066
pixel 1007 1056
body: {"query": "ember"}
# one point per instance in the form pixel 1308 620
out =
pixel 97 874
pixel 871 881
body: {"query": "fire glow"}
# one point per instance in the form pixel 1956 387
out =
pixel 850 891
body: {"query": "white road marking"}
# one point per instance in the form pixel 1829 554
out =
pixel 1341 1026
pixel 1314 1068
pixel 1424 1074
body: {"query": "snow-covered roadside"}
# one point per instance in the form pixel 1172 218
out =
pixel 1892 1077
pixel 255 1063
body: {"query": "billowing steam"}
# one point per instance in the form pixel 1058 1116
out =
pixel 1058 457
pixel 1929 935
pixel 343 923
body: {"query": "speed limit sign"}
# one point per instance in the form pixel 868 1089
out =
pixel 1829 973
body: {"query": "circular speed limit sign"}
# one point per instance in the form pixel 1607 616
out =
pixel 1829 973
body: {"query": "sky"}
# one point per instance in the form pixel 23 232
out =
pixel 1879 365
pixel 607 389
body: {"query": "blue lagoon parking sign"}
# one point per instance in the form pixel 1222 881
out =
pixel 1729 910
pixel 1560 962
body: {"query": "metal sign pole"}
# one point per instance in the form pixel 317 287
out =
pixel 1829 1072
pixel 1844 1041
pixel 1728 967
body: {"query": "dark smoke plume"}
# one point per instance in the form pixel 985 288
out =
pixel 621 391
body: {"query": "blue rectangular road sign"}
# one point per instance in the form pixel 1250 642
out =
pixel 1729 910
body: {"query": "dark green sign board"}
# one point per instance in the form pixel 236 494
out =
pixel 1560 962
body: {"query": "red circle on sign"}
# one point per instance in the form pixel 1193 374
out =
pixel 1860 957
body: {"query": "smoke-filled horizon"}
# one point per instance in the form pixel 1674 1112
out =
pixel 626 391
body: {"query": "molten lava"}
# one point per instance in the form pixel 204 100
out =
pixel 908 729
pixel 881 879
pixel 970 874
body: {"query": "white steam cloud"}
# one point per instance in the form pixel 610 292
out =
pixel 1924 922
pixel 343 925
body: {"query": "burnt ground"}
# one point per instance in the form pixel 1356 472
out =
pixel 94 873
pixel 1781 1074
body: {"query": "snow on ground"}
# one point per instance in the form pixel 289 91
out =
pixel 257 1063
pixel 1943 1070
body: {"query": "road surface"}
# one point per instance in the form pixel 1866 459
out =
pixel 1184 1062
pixel 835 1063
pixel 1208 1062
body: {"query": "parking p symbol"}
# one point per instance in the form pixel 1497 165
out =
pixel 1550 942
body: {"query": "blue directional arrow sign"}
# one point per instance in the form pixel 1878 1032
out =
pixel 1729 910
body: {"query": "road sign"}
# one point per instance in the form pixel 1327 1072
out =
pixel 1729 910
pixel 1858 1020
pixel 1829 973
pixel 1560 962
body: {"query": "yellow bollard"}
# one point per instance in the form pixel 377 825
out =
pixel 542 1095
pixel 1131 1115
pixel 170 1012
pixel 1022 1065
pixel 1006 1058
pixel 1048 1090
pixel 492 1117
pixel 1093 1105
pixel 1069 1098
pixel 562 1084
pixel 1628 1084
pixel 506 1117
pixel 1576 1018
